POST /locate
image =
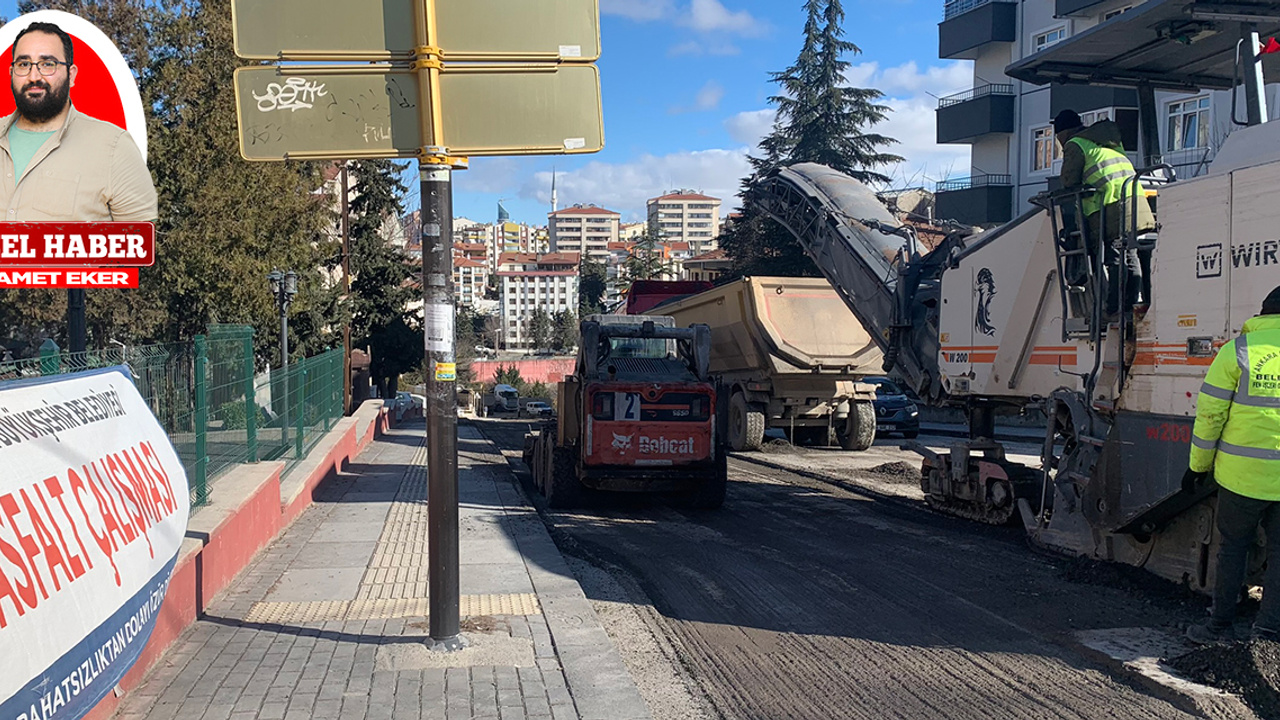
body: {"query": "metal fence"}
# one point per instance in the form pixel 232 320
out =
pixel 959 7
pixel 215 410
pixel 976 181
pixel 974 93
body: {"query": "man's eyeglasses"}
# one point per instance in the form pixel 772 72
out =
pixel 47 67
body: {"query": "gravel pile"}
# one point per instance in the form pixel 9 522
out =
pixel 779 446
pixel 1250 669
pixel 897 473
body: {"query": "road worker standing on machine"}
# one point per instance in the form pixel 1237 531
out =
pixel 1093 157
pixel 1237 439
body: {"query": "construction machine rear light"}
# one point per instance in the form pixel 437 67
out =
pixel 602 406
pixel 700 408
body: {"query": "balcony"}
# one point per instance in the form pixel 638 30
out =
pixel 977 200
pixel 966 116
pixel 1068 8
pixel 970 24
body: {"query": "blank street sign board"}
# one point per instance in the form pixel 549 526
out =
pixel 382 30
pixel 372 111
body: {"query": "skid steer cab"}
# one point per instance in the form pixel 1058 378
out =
pixel 638 415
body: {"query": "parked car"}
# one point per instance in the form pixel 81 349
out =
pixel 895 412
pixel 536 408
pixel 409 403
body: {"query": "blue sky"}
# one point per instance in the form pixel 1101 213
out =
pixel 685 86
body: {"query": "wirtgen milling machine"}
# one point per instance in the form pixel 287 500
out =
pixel 1016 316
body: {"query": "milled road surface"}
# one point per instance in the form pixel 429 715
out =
pixel 800 599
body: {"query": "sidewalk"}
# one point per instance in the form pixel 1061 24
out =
pixel 329 621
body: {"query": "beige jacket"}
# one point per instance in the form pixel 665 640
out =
pixel 88 171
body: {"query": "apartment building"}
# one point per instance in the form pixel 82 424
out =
pixel 470 277
pixel 510 237
pixel 584 229
pixel 529 282
pixel 686 216
pixel 1008 123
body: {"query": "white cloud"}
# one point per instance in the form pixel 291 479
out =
pixel 709 16
pixel 626 187
pixel 751 126
pixel 911 94
pixel 708 98
pixel 907 79
pixel 641 10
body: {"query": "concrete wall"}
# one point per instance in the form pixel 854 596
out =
pixel 548 370
pixel 250 505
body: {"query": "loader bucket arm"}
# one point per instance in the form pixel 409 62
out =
pixel 827 212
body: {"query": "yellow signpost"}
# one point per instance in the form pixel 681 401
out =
pixel 438 80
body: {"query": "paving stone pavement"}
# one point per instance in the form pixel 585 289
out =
pixel 359 551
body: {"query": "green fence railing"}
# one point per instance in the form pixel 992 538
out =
pixel 217 412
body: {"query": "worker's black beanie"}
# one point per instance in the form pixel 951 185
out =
pixel 1271 306
pixel 1066 120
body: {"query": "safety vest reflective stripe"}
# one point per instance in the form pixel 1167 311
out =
pixel 1244 394
pixel 1237 427
pixel 1106 170
pixel 1215 391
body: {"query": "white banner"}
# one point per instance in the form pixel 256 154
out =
pixel 93 509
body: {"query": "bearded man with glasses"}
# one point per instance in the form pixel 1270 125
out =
pixel 57 164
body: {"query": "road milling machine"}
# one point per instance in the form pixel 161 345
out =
pixel 637 415
pixel 1016 316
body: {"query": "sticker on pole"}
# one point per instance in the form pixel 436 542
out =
pixel 437 323
pixel 93 509
pixel 446 372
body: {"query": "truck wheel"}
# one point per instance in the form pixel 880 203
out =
pixel 859 430
pixel 746 424
pixel 561 485
pixel 710 495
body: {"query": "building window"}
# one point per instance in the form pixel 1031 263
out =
pixel 1049 37
pixel 1188 126
pixel 1093 116
pixel 1045 149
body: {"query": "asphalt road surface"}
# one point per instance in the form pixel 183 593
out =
pixel 802 598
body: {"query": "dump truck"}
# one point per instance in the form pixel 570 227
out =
pixel 637 415
pixel 790 355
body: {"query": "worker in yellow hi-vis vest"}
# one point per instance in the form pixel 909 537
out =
pixel 1094 157
pixel 1237 438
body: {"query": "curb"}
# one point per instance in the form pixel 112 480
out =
pixel 598 680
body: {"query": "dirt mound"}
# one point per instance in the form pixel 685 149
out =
pixel 779 446
pixel 1250 669
pixel 897 473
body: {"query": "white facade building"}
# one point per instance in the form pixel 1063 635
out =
pixel 584 229
pixel 1008 123
pixel 686 216
pixel 529 282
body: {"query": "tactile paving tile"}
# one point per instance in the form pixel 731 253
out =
pixel 292 613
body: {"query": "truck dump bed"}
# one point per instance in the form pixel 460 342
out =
pixel 782 325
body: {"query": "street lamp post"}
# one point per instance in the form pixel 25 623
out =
pixel 284 286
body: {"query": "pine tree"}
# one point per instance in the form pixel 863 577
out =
pixel 593 282
pixel 819 120
pixel 565 333
pixel 644 259
pixel 380 287
pixel 539 329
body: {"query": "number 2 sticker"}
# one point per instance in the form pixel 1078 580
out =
pixel 626 406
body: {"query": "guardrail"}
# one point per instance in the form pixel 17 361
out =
pixel 959 7
pixel 974 94
pixel 974 182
